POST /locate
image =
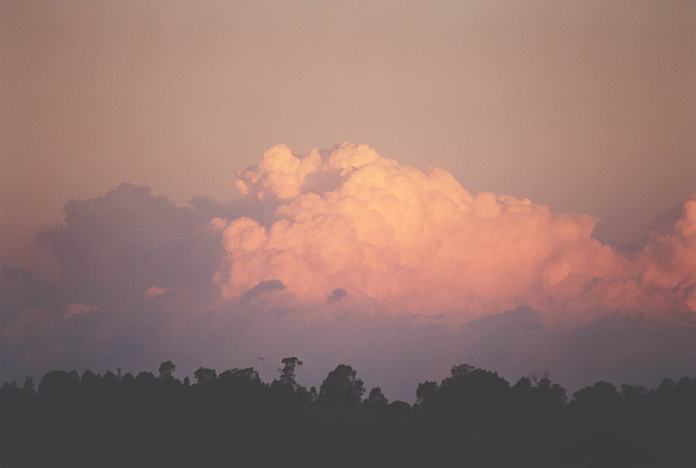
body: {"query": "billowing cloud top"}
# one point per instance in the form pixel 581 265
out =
pixel 417 242
pixel 346 256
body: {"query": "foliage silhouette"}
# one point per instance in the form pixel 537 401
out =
pixel 473 417
pixel 341 388
pixel 166 370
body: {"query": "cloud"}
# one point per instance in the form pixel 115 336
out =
pixel 264 287
pixel 337 295
pixel 21 290
pixel 74 309
pixel 112 248
pixel 345 256
pixel 155 291
pixel 416 241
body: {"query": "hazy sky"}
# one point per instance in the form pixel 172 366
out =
pixel 346 255
pixel 586 106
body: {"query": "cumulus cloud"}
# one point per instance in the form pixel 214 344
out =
pixel 346 256
pixel 112 247
pixel 417 241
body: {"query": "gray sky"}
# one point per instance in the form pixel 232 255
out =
pixel 586 106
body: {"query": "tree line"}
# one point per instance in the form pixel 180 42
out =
pixel 473 417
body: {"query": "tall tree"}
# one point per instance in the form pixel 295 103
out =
pixel 166 370
pixel 341 388
pixel 287 373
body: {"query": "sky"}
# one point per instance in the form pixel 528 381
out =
pixel 584 106
pixel 581 113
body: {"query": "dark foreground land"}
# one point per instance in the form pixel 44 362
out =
pixel 474 418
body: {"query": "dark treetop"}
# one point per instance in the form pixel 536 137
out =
pixel 473 418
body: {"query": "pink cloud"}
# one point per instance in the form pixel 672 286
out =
pixel 73 309
pixel 155 291
pixel 417 241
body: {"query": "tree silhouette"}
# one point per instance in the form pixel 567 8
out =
pixel 426 395
pixel 59 383
pixel 205 376
pixel 473 417
pixel 287 373
pixel 341 388
pixel 376 399
pixel 28 385
pixel 471 395
pixel 166 370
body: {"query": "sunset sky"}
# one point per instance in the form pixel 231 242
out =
pixel 537 157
